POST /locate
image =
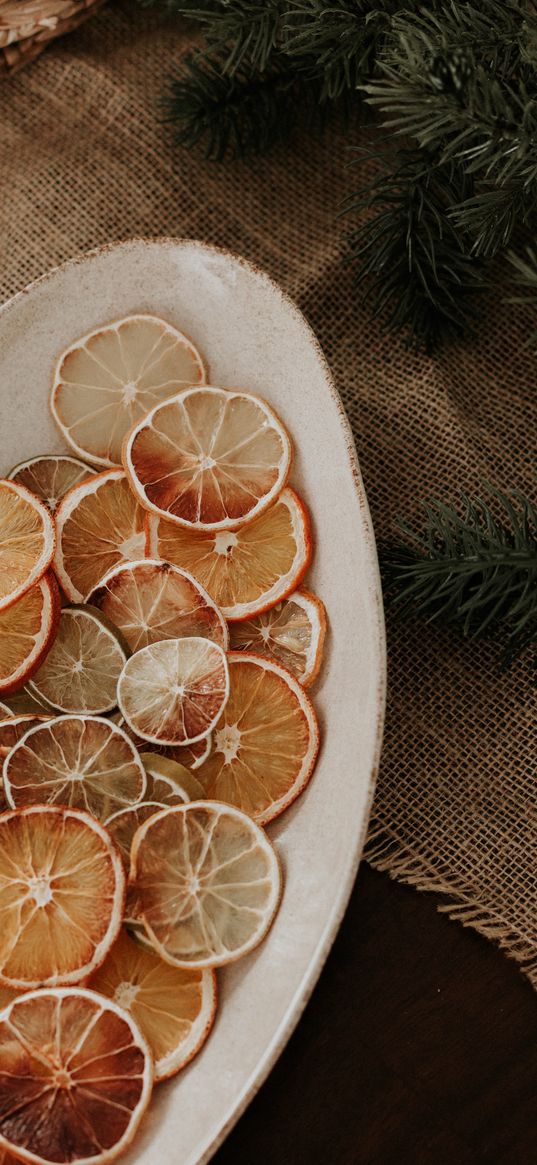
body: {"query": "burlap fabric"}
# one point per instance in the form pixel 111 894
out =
pixel 84 160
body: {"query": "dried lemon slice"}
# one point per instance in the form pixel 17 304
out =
pixel 82 668
pixel 209 458
pixel 173 1007
pixel 173 692
pixel 168 781
pixel 78 1069
pixel 50 476
pixel 292 633
pixel 207 881
pixel 110 378
pixel 62 895
pixel 82 761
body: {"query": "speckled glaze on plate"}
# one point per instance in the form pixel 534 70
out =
pixel 253 338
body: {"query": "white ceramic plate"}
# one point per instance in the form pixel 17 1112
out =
pixel 254 338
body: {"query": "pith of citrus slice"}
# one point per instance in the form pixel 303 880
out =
pixel 173 692
pixel 208 883
pixel 266 741
pixel 77 1076
pixel 27 630
pixel 99 524
pixel 62 896
pixel 82 761
pixel 81 670
pixel 169 782
pixel 110 378
pixel 248 570
pixel 209 458
pixel 154 600
pixel 292 633
pixel 14 727
pixel 50 476
pixel 27 541
pixel 173 1007
pixel 5 711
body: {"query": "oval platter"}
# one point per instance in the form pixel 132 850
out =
pixel 253 337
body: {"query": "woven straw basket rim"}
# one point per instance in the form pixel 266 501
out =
pixel 26 26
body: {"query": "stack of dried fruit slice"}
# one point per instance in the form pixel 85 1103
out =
pixel 126 878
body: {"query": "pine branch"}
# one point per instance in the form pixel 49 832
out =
pixel 237 114
pixel 412 259
pixel 240 32
pixel 337 43
pixel 463 84
pixel 477 569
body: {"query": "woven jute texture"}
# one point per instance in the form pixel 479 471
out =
pixel 83 161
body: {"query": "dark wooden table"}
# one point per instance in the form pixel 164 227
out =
pixel 419 1047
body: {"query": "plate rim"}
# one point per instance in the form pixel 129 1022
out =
pixel 305 990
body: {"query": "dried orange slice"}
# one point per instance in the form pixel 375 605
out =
pixel 292 633
pixel 81 670
pixel 208 883
pixel 153 600
pixel 82 761
pixel 27 630
pixel 26 541
pixel 173 691
pixel 110 378
pixel 169 781
pixel 209 458
pixel 99 524
pixel 266 741
pixel 191 755
pixel 173 1007
pixel 14 727
pixel 246 571
pixel 50 476
pixel 62 895
pixel 77 1076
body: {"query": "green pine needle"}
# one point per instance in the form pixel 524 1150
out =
pixel 411 259
pixel 476 568
pixel 236 114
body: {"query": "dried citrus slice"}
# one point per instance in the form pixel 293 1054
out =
pixel 169 782
pixel 81 670
pixel 246 571
pixel 82 761
pixel 292 633
pixel 99 524
pixel 154 600
pixel 123 825
pixel 25 701
pixel 173 692
pixel 62 895
pixel 191 755
pixel 173 1007
pixel 50 476
pixel 209 458
pixel 14 727
pixel 208 883
pixel 26 541
pixel 27 630
pixel 266 741
pixel 77 1076
pixel 110 378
